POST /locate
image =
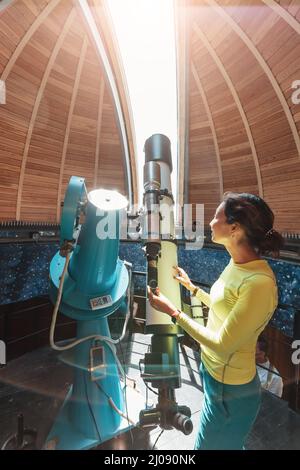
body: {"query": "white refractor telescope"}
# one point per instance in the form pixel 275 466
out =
pixel 161 365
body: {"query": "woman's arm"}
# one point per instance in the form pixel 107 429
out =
pixel 203 296
pixel 183 278
pixel 251 313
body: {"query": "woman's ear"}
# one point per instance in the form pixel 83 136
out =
pixel 235 228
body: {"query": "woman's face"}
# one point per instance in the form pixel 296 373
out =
pixel 220 230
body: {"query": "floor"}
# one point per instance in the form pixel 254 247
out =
pixel 36 384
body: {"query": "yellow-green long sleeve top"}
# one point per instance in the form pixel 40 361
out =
pixel 241 303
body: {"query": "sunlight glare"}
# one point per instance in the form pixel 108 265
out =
pixel 146 37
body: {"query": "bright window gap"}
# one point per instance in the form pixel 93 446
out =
pixel 146 38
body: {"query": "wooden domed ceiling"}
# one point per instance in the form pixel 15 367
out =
pixel 239 126
pixel 59 118
pixel 238 123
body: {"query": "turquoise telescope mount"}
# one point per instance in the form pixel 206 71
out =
pixel 88 282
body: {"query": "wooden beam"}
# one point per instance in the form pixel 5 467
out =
pixel 182 38
pixel 100 109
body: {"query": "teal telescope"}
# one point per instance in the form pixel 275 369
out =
pixel 161 364
pixel 88 282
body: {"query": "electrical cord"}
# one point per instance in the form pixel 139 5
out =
pixel 147 386
pixel 157 439
pixel 114 406
pixel 109 341
pixel 130 302
pixel 125 384
pixel 90 408
pixel 125 392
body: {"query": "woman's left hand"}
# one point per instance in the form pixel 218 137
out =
pixel 160 302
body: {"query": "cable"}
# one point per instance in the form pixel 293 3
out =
pixel 146 398
pixel 114 406
pixel 147 386
pixel 125 394
pixel 157 439
pixel 90 408
pixel 130 300
pixel 125 383
pixel 106 339
pixel 57 303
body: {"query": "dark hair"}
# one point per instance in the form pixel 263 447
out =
pixel 263 343
pixel 256 218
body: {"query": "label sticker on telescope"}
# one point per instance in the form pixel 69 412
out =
pixel 101 302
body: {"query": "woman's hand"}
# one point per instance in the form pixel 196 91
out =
pixel 160 302
pixel 183 278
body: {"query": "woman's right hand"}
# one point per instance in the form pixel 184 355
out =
pixel 183 278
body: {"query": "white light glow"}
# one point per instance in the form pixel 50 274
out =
pixel 107 200
pixel 146 37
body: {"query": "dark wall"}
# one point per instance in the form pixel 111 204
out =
pixel 24 326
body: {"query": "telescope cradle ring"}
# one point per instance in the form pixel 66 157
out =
pixel 75 198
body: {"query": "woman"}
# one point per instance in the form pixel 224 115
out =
pixel 241 303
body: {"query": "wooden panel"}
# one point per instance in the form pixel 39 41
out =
pixel 291 6
pixel 15 21
pixel 16 113
pixel 228 123
pixel 203 168
pixel 262 63
pixel 42 174
pixel 51 125
pixel 271 131
pixel 260 57
pixel 212 129
pixel 28 144
pixel 276 40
